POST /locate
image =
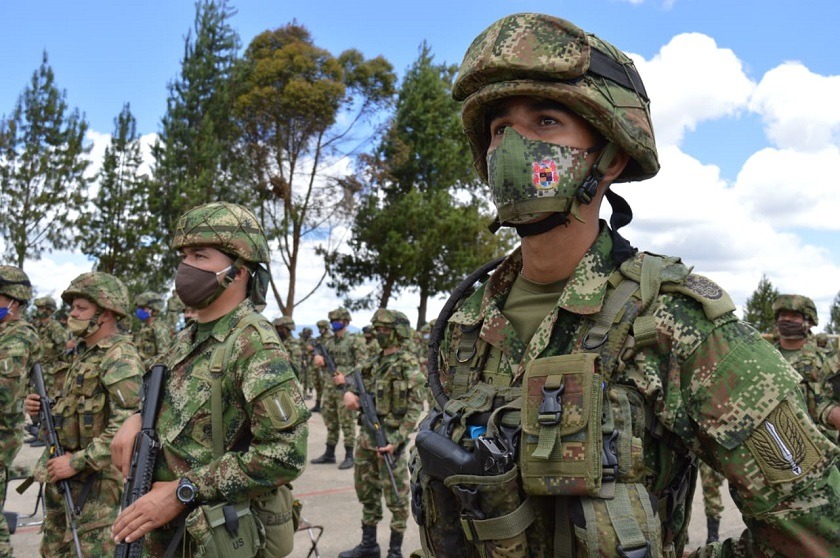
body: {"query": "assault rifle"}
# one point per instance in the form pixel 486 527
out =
pixel 146 448
pixel 371 421
pixel 54 449
pixel 319 349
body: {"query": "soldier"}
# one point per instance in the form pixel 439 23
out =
pixel 20 348
pixel 348 352
pixel 174 310
pixel 795 316
pixel 305 361
pixel 324 333
pixel 710 482
pixel 370 340
pixel 284 325
pixel 393 376
pixel 232 441
pixel 101 390
pixel 576 385
pixel 54 339
pixel 153 337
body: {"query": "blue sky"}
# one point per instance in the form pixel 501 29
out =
pixel 743 96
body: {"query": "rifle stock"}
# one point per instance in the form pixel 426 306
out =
pixel 54 449
pixel 146 448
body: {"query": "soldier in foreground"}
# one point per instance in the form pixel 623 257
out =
pixel 20 348
pixel 577 384
pixel 100 391
pixel 818 368
pixel 227 457
pixel 153 338
pixel 348 352
pixel 393 377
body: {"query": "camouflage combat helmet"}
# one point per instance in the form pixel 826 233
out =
pixel 45 302
pixel 227 227
pixel 14 283
pixel 284 321
pixel 393 319
pixel 339 314
pixel 796 303
pixel 322 324
pixel 537 55
pixel 103 289
pixel 149 300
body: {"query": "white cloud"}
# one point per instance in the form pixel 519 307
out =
pixel 799 108
pixel 690 80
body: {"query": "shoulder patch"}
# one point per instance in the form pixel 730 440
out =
pixel 280 407
pixel 782 448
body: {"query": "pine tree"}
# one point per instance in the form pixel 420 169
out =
pixel 42 165
pixel 117 230
pixel 195 157
pixel 833 325
pixel 759 309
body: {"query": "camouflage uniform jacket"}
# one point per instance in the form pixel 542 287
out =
pixel 816 366
pixel 152 341
pixel 20 348
pixel 53 340
pixel 708 385
pixel 395 382
pixel 101 390
pixel 348 351
pixel 294 347
pixel 264 418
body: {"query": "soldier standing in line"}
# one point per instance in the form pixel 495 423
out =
pixel 306 361
pixel 319 374
pixel 576 386
pixel 54 338
pixel 795 316
pixel 348 352
pixel 100 391
pixel 236 450
pixel 284 325
pixel 175 309
pixel 710 482
pixel 20 348
pixel 153 338
pixel 393 377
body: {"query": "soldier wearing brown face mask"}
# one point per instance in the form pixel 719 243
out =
pixel 795 316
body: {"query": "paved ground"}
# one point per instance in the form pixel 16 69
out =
pixel 329 500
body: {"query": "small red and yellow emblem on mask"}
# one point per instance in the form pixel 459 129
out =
pixel 544 175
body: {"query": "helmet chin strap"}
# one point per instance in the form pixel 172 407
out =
pixel 584 195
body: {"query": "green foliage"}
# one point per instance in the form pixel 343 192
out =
pixel 195 158
pixel 117 230
pixel 759 309
pixel 833 325
pixel 419 224
pixel 298 107
pixel 42 181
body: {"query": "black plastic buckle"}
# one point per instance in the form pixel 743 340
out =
pixel 641 552
pixel 609 457
pixel 586 192
pixel 551 407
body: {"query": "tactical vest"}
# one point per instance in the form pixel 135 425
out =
pixel 390 389
pixel 584 432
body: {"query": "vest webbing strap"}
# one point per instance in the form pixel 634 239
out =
pixel 504 527
pixel 562 529
pixel 623 520
pixel 218 361
pixel 604 320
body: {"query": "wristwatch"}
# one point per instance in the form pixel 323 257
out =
pixel 186 491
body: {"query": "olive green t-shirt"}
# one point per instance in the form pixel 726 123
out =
pixel 528 303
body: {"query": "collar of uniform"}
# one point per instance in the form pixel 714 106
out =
pixel 227 323
pixel 585 291
pixel 108 342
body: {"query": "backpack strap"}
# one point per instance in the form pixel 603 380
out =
pixel 218 359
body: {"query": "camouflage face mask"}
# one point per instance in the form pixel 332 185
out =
pixel 529 178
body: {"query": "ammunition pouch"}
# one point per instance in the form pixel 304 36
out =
pixel 437 513
pixel 276 516
pixel 225 530
pixel 563 452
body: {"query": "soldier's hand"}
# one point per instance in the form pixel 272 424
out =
pixel 32 404
pixel 318 361
pixel 152 510
pixel 351 401
pixel 123 443
pixel 59 468
pixel 338 378
pixel 387 449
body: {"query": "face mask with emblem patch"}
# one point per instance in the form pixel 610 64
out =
pixel 529 178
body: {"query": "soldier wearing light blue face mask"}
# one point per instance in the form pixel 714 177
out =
pixel 153 337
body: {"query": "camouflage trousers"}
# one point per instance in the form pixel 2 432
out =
pixel 373 483
pixel 94 526
pixel 711 482
pixel 7 456
pixel 337 416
